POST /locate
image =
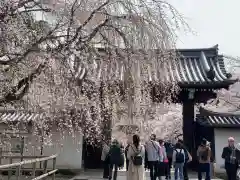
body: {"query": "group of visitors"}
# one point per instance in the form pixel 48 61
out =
pixel 159 157
pixel 156 155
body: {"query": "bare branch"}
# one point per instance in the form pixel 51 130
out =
pixel 84 62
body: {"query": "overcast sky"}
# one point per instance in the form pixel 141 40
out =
pixel 214 21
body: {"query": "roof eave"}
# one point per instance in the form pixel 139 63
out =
pixel 208 85
pixel 208 112
pixel 220 125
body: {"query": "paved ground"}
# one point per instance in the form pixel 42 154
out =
pixel 92 175
pixel 97 175
pixel 30 178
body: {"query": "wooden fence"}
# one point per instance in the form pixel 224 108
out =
pixel 33 160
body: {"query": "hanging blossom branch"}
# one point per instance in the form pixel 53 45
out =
pixel 228 100
pixel 91 54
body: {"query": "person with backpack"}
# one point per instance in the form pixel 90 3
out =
pixel 163 160
pixel 178 160
pixel 116 159
pixel 188 158
pixel 204 158
pixel 136 153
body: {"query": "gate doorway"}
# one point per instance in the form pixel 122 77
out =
pixel 92 155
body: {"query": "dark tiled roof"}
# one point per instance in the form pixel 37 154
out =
pixel 216 119
pixel 195 66
pixel 219 121
pixel 15 116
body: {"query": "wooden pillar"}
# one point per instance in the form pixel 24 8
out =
pixel 189 128
pixel 188 124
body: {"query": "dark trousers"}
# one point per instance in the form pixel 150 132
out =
pixel 204 168
pixel 168 169
pixel 231 170
pixel 105 169
pixel 185 171
pixel 113 170
pixel 127 163
pixel 153 167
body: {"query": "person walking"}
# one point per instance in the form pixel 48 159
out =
pixel 229 155
pixel 163 161
pixel 122 159
pixel 169 150
pixel 204 156
pixel 105 159
pixel 153 150
pixel 126 151
pixel 116 159
pixel 188 158
pixel 136 153
pixel 178 160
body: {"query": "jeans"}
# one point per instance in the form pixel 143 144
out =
pixel 105 169
pixel 231 170
pixel 204 168
pixel 178 171
pixel 115 167
pixel 185 171
pixel 153 167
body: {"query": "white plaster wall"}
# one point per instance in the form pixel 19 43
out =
pixel 68 147
pixel 221 137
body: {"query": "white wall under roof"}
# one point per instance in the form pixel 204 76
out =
pixel 68 147
pixel 221 140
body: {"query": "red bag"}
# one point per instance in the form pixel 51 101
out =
pixel 161 153
pixel 165 160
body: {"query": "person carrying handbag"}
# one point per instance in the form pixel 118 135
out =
pixel 116 159
pixel 153 149
pixel 105 159
pixel 169 150
pixel 163 160
pixel 136 153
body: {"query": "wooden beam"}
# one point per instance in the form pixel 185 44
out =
pixel 46 174
pixel 27 162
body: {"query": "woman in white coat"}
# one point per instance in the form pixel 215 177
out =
pixel 136 172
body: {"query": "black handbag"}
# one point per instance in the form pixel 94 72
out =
pixel 121 160
pixel 107 159
pixel 137 159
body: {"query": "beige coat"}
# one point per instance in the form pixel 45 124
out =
pixel 135 172
pixel 105 151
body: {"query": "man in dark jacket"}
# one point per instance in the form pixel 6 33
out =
pixel 116 158
pixel 230 155
pixel 185 171
pixel 169 150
